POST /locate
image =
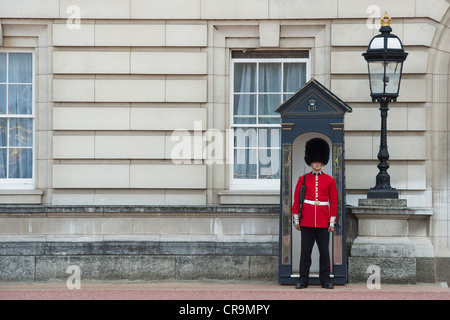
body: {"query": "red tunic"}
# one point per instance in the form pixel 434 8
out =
pixel 320 189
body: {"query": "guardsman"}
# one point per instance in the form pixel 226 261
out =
pixel 318 214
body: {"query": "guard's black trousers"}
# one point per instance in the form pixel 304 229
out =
pixel 309 236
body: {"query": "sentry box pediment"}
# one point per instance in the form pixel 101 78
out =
pixel 311 100
pixel 313 111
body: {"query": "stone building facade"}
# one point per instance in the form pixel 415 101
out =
pixel 135 127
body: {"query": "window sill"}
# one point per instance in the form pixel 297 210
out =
pixel 259 197
pixel 21 196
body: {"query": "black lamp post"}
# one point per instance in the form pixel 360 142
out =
pixel 385 57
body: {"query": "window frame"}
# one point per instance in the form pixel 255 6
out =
pixel 22 183
pixel 256 184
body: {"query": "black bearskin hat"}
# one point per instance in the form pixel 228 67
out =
pixel 317 150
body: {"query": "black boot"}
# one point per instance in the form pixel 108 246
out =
pixel 327 285
pixel 301 285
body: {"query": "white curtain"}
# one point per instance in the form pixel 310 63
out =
pixel 3 149
pixel 3 121
pixel 294 77
pixel 16 135
pixel 245 93
pixel 244 112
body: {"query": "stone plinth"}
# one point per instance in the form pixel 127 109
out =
pixel 392 237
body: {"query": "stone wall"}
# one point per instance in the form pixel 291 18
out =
pixel 39 243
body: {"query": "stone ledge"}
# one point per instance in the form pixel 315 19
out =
pixel 246 238
pixel 51 210
pixel 391 212
pixel 382 202
pixel 21 197
pixel 50 248
pixel 387 207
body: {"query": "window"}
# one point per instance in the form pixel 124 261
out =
pixel 16 119
pixel 260 83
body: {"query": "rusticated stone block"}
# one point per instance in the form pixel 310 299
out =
pixel 17 268
pixel 392 270
pixel 106 267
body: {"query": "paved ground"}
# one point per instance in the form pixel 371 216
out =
pixel 189 291
pixel 219 300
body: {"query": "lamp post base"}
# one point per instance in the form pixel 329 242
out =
pixel 390 193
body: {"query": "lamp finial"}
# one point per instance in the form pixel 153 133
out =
pixel 385 21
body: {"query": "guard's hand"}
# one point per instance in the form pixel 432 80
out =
pixel 330 229
pixel 297 227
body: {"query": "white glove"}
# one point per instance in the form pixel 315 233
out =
pixel 296 220
pixel 332 221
